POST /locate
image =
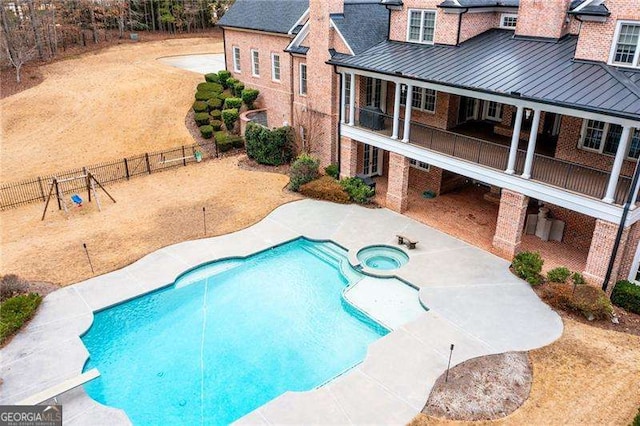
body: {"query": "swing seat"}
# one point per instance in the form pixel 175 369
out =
pixel 77 200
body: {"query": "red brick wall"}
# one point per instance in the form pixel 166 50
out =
pixel 422 180
pixel 543 18
pixel 578 229
pixel 626 263
pixel 604 236
pixel 596 38
pixel 274 96
pixel 398 183
pixel 477 23
pixel 446 24
pixel 510 223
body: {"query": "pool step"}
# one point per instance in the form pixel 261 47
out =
pixel 351 274
pixel 330 253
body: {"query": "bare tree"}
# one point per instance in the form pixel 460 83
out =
pixel 309 129
pixel 18 46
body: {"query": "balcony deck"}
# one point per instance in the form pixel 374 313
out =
pixel 546 169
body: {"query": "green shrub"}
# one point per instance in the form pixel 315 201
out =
pixel 232 103
pixel 237 89
pixel 212 77
pixel 231 82
pixel 200 106
pixel 237 141
pixel 332 170
pixel 210 87
pixel 223 96
pixel 206 95
pixel 206 131
pixel 216 114
pixel 627 296
pixel 214 103
pixel 202 118
pixel 14 312
pixel 358 190
pixel 578 279
pixel 527 265
pixel 230 116
pixel 636 419
pixel 558 275
pixel 223 76
pixel 216 125
pixel 325 188
pixel 272 147
pixel 249 97
pixel 223 141
pixel 303 170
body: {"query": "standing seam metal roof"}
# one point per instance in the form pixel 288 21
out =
pixel 496 62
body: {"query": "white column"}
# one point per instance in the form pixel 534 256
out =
pixel 407 113
pixel 352 103
pixel 531 148
pixel 621 153
pixel 343 99
pixel 396 112
pixel 515 140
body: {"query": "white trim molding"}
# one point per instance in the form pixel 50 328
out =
pixel 255 62
pixel 333 25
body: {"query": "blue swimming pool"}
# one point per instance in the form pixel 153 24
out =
pixel 228 337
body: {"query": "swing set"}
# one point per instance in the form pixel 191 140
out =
pixel 56 190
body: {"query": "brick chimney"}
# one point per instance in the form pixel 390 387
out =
pixel 322 94
pixel 543 18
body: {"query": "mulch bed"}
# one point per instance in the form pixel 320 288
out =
pixel 483 388
pixel 247 163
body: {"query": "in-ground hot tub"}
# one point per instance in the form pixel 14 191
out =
pixel 381 257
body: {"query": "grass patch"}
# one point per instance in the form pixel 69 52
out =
pixel 14 312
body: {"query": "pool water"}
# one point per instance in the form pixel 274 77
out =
pixel 382 257
pixel 229 337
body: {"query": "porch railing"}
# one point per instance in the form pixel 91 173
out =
pixel 551 171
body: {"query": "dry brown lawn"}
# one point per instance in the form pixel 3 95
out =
pixel 100 106
pixel 589 376
pixel 151 212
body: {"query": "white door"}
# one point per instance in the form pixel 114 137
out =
pixel 372 161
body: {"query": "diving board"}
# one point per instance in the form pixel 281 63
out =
pixel 60 388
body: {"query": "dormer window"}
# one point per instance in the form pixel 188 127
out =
pixel 421 27
pixel 508 21
pixel 626 48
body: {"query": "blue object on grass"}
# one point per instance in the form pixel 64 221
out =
pixel 76 199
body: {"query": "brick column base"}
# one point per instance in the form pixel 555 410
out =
pixel 348 158
pixel 398 184
pixel 511 216
pixel 604 237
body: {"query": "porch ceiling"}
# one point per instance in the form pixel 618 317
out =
pixel 496 62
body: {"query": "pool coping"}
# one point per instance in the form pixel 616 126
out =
pixel 400 368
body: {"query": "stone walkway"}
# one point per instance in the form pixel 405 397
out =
pixel 474 302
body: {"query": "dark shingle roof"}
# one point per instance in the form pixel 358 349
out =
pixel 363 24
pixel 496 62
pixel 592 10
pixel 276 16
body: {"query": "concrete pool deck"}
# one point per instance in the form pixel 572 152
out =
pixel 474 302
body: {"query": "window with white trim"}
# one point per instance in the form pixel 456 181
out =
pixel 604 138
pixel 419 165
pixel 421 26
pixel 422 99
pixel 508 21
pixel 236 59
pixel 255 63
pixel 626 48
pixel 275 67
pixel 303 79
pixel 493 111
pixel 347 90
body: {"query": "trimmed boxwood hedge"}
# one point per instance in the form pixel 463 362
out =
pixel 226 142
pixel 216 124
pixel 230 116
pixel 15 311
pixel 212 77
pixel 249 97
pixel 224 95
pixel 206 131
pixel 206 95
pixel 232 103
pixel 214 103
pixel 223 76
pixel 237 89
pixel 209 87
pixel 202 118
pixel 200 106
pixel 216 114
pixel 627 296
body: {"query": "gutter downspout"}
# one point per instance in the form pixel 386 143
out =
pixel 623 219
pixel 293 90
pixel 460 25
pixel 338 156
pixel 224 48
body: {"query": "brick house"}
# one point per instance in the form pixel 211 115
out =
pixel 537 100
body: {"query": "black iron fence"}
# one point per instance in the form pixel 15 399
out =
pixel 552 171
pixel 34 190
